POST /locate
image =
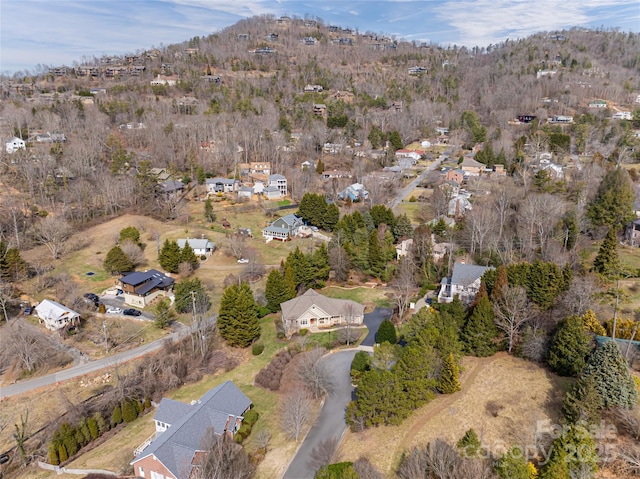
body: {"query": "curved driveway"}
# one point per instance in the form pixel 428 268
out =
pixel 330 422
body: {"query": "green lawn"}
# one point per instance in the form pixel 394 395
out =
pixel 360 295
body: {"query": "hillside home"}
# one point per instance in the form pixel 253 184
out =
pixel 280 182
pixel 221 185
pixel 561 119
pixel 355 192
pixel 459 205
pixel 260 168
pixel 455 175
pixel 54 315
pixel 166 80
pixel 245 192
pixel 141 288
pixel 171 187
pixel 632 233
pixel 314 312
pixel 622 115
pixel 15 144
pixel 319 109
pixel 598 104
pixel 272 193
pixel 182 429
pixel 463 282
pixel 544 73
pixel 403 248
pixel 313 88
pixel 200 246
pixel 471 167
pixel 283 229
pixel 331 174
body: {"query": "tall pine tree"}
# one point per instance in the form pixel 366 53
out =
pixel 479 334
pixel 606 261
pixel 449 381
pixel 613 203
pixel 570 347
pixel 276 291
pixel 238 316
pixel 169 257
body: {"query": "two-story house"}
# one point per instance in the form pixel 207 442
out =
pixel 283 228
pixel 280 182
pixel 140 288
pixel 464 282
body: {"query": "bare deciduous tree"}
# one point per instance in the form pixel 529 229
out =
pixel 295 413
pixel 314 374
pixel 223 459
pixel 134 252
pixel 512 310
pixel 24 347
pixel 237 245
pixel 366 470
pixel 403 284
pixel 53 232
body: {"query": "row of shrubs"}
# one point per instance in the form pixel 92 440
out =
pixel 269 377
pixel 250 418
pixel 68 439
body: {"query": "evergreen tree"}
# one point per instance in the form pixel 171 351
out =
pixel 92 424
pixel 276 291
pixel 609 372
pixel 12 266
pixel 582 402
pixel 238 316
pixel 190 291
pixel 301 268
pixel 480 333
pixel 62 453
pixel 396 140
pixel 417 370
pixel 163 313
pixel 613 203
pixel 592 324
pixel 53 457
pixel 209 214
pixel 116 415
pixel 402 227
pixel 330 217
pixel 570 347
pixel 187 255
pixel 130 233
pixel 319 167
pixel 449 382
pixel 500 283
pixel 117 262
pixel 169 257
pixel 381 214
pixel 513 465
pixel 129 411
pixel 376 259
pixel 380 400
pixel 469 444
pixel 606 261
pixel 319 261
pixel 386 332
pixel 573 451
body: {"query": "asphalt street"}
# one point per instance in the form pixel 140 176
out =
pixel 331 420
pixel 404 192
pixel 372 320
pixel 87 368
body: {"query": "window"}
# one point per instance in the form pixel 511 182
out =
pixel 141 471
pixel 304 322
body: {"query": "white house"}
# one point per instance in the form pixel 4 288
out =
pixel 245 192
pixel 15 144
pixel 279 182
pixel 598 104
pixel 464 282
pixel 200 246
pixel 314 311
pixel 414 155
pixel 272 193
pixel 459 205
pixel 160 80
pixel 221 185
pixel 54 315
pixel 622 115
pixel 403 248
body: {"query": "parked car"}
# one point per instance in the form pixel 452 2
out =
pixel 243 260
pixel 92 296
pixel 28 310
pixel 132 312
pixel 114 310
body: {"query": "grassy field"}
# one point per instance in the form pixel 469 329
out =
pixel 523 392
pixel 367 296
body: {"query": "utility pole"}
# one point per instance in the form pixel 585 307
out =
pixel 106 342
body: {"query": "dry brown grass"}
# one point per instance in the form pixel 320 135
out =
pixel 527 392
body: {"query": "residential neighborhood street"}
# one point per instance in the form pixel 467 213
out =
pixel 404 192
pixel 330 422
pixel 88 367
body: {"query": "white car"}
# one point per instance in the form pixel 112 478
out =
pixel 114 310
pixel 243 260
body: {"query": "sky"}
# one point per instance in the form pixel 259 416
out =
pixel 61 32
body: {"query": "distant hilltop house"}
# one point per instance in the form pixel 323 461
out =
pixel 283 229
pixel 632 233
pixel 544 73
pixel 182 430
pixel 561 119
pixel 355 192
pixel 141 288
pixel 622 115
pixel 464 282
pixel 598 104
pixel 314 312
pixel 221 185
pixel 164 80
pixel 54 315
pixel 313 88
pixel 15 144
pixel 200 246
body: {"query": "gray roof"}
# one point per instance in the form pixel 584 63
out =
pixel 176 447
pixel 465 274
pixel 271 189
pixel 170 411
pixel 196 243
pixel 276 176
pixel 296 307
pixel 224 181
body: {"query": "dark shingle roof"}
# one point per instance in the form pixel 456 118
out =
pixel 170 411
pixel 465 274
pixel 176 447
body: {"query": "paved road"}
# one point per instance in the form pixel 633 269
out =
pixel 372 321
pixel 89 367
pixel 330 422
pixel 404 192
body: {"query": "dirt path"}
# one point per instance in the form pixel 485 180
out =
pixel 438 405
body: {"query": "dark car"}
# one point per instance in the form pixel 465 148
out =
pixel 131 312
pixel 28 310
pixel 92 296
